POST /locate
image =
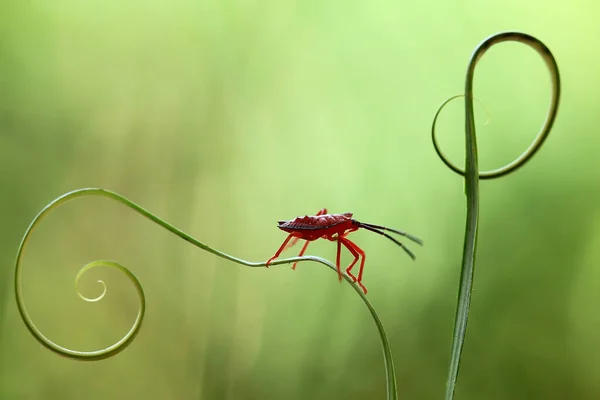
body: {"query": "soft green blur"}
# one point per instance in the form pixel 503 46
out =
pixel 223 117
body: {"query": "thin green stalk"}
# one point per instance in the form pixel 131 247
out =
pixel 130 336
pixel 472 176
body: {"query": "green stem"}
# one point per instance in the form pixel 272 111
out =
pixel 130 336
pixel 472 176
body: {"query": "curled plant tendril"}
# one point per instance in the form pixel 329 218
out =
pixel 130 336
pixel 472 176
pixel 550 117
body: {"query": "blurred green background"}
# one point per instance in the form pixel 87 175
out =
pixel 225 116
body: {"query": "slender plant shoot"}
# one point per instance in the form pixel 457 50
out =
pixel 472 176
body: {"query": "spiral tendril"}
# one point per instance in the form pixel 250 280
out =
pixel 128 338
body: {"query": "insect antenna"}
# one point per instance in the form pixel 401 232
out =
pixel 378 229
pixel 383 228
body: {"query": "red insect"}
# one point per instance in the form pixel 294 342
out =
pixel 335 227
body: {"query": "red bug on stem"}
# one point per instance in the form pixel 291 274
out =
pixel 335 227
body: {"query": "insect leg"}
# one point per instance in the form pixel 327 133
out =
pixel 292 243
pixel 322 212
pixel 362 264
pixel 301 253
pixel 281 248
pixel 337 260
pixel 349 246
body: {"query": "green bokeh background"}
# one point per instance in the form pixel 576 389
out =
pixel 225 116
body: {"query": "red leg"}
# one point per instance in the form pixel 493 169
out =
pixel 279 251
pixel 348 245
pixel 337 260
pixel 357 252
pixel 301 253
pixel 292 243
pixel 362 266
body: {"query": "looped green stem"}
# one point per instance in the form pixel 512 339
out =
pixel 130 336
pixel 550 117
pixel 472 176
